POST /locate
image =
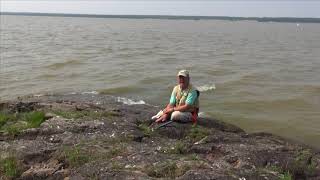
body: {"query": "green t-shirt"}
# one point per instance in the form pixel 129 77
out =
pixel 192 96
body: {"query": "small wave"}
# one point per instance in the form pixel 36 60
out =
pixel 228 53
pixel 48 76
pixel 90 92
pixel 38 95
pixel 119 90
pixel 205 88
pixel 63 64
pixel 129 101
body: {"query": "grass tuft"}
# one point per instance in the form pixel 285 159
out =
pixel 116 166
pixel 303 163
pixel 163 170
pixel 34 119
pixel 9 167
pixel 286 176
pixel 179 148
pixel 283 175
pixel 13 124
pixel 166 170
pixel 5 117
pixel 197 133
pixel 75 156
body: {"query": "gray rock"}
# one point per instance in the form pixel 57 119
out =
pixel 113 141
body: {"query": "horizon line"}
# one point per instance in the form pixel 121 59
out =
pixel 173 17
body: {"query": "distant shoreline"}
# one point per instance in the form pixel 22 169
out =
pixel 228 18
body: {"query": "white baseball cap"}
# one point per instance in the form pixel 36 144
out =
pixel 183 73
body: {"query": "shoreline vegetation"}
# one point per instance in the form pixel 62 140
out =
pixel 169 17
pixel 91 136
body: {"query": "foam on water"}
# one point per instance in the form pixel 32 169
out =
pixel 38 95
pixel 129 101
pixel 90 92
pixel 206 87
pixel 201 114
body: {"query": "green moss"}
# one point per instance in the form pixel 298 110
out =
pixel 9 167
pixel 83 153
pixel 69 114
pixel 80 114
pixel 197 133
pixel 145 129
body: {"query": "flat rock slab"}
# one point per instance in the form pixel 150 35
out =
pixel 95 137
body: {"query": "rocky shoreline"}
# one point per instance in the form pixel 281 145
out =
pixel 86 136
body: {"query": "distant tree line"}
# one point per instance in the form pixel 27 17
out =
pixel 259 19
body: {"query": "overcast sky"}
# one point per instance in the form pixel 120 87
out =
pixel 248 8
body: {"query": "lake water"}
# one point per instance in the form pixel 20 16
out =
pixel 259 76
